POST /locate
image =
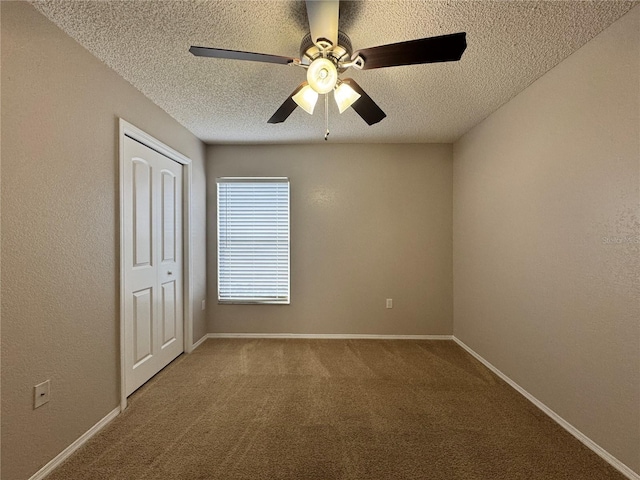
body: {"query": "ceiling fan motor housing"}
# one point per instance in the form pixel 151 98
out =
pixel 309 51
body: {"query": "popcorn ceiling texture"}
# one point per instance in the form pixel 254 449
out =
pixel 510 44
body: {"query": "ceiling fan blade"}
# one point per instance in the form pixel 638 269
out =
pixel 287 107
pixel 365 106
pixel 239 55
pixel 323 20
pixel 446 48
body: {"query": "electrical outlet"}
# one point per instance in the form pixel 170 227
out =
pixel 41 394
pixel 389 302
pixel 203 304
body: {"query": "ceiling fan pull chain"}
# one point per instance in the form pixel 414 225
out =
pixel 326 116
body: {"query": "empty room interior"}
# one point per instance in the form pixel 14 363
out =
pixel 430 270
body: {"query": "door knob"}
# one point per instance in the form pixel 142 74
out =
pixel 170 273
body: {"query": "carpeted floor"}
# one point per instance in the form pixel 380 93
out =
pixel 331 409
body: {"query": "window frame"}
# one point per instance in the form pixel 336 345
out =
pixel 248 180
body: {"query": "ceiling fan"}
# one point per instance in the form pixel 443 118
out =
pixel 326 53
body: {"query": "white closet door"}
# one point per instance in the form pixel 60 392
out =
pixel 153 262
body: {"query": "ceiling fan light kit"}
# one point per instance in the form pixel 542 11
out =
pixel 322 75
pixel 345 96
pixel 306 99
pixel 326 53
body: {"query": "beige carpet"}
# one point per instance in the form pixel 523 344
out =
pixel 331 409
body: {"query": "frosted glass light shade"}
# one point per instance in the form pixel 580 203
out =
pixel 322 75
pixel 345 96
pixel 306 99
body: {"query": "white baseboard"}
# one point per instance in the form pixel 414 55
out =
pixel 199 342
pixel 336 336
pixel 613 461
pixel 66 453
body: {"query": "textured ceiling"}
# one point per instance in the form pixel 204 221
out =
pixel 510 44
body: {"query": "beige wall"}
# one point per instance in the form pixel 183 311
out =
pixel 60 266
pixel 538 188
pixel 368 222
pixel 541 189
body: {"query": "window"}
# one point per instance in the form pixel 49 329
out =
pixel 253 240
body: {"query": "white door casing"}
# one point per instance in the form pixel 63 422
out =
pixel 155 286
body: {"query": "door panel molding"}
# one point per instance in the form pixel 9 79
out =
pixel 126 129
pixel 142 305
pixel 142 211
pixel 168 216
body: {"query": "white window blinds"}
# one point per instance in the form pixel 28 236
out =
pixel 253 240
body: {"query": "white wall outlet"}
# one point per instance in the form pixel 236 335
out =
pixel 389 302
pixel 203 304
pixel 41 394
